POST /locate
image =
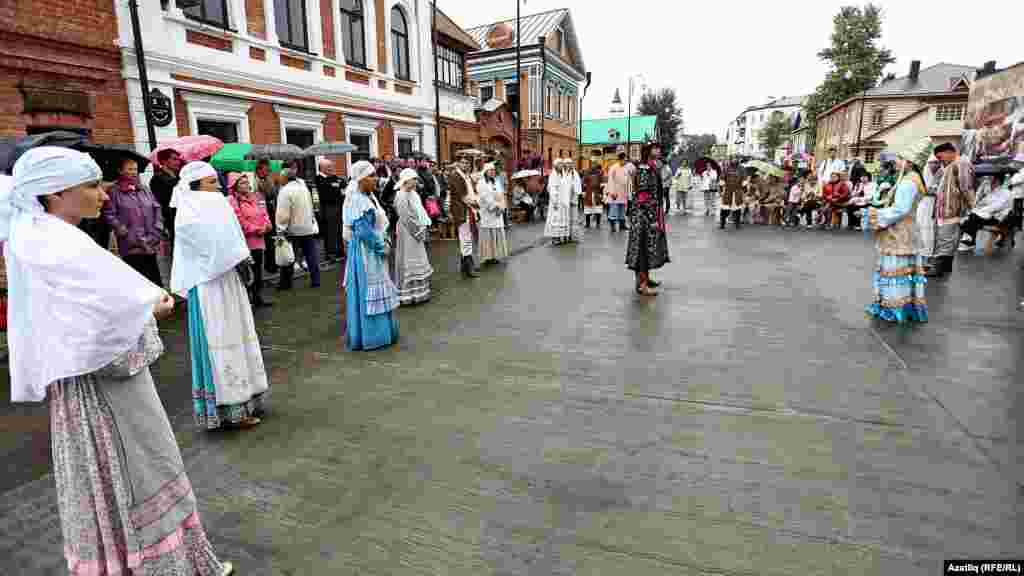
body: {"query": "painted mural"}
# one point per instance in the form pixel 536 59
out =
pixel 994 124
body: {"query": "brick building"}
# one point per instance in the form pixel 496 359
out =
pixel 60 68
pixel 459 128
pixel 272 71
pixel 545 96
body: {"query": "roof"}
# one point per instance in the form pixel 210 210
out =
pixel 596 131
pixel 531 27
pixel 935 78
pixel 784 102
pixel 449 28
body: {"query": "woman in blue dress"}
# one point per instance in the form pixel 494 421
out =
pixel 370 295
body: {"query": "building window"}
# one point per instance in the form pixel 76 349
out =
pixel 212 12
pixel 303 138
pixel 878 117
pixel 353 41
pixel 362 143
pixel 400 44
pixel 224 131
pixel 406 146
pixel 486 93
pixel 450 67
pixel 869 156
pixel 949 112
pixel 290 17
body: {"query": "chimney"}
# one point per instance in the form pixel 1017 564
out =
pixel 990 66
pixel 915 70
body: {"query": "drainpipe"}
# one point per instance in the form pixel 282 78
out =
pixel 579 120
pixel 519 92
pixel 140 59
pixel 544 99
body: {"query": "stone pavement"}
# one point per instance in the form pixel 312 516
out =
pixel 545 420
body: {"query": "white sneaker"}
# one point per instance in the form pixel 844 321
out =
pixel 964 248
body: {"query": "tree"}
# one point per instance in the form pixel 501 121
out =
pixel 692 147
pixel 775 133
pixel 856 60
pixel 664 105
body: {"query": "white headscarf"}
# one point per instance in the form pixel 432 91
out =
pixel 66 293
pixel 357 203
pixel 208 239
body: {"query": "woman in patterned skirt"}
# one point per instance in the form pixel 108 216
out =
pixel 899 280
pixel 647 248
pixel 126 505
pixel 229 381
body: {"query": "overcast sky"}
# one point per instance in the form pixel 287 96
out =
pixel 724 55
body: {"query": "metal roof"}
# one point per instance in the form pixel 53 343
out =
pixel 640 127
pixel 935 78
pixel 448 27
pixel 531 27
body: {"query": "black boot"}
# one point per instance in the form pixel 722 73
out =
pixel 722 216
pixel 598 219
pixel 470 267
pixel 738 218
pixel 946 265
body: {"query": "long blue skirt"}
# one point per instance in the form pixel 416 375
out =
pixel 899 284
pixel 363 332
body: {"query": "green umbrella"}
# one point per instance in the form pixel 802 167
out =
pixel 231 158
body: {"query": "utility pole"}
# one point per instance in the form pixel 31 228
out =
pixel 140 60
pixel 519 91
pixel 437 87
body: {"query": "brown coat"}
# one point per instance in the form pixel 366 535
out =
pixel 592 187
pixel 732 191
pixel 458 191
pixel 955 191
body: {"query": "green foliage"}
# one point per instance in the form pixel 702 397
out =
pixel 775 133
pixel 854 52
pixel 665 106
pixel 694 146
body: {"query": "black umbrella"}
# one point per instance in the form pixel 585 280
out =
pixel 700 166
pixel 108 157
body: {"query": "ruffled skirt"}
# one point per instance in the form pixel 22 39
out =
pixel 493 244
pixel 899 284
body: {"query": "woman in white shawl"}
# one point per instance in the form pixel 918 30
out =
pixel 370 295
pixel 493 242
pixel 412 266
pixel 83 332
pixel 229 381
pixel 924 219
pixel 560 195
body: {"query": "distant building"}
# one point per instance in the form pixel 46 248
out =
pixel 743 134
pixel 607 134
pixel 544 98
pixel 616 110
pixel 926 102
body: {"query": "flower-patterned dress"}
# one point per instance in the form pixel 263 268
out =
pixel 126 505
pixel 899 281
pixel 648 246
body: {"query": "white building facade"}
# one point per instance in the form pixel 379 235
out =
pixel 742 135
pixel 287 71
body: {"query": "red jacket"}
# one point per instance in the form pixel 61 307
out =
pixel 838 193
pixel 252 215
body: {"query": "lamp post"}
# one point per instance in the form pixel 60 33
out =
pixel 629 112
pixel 140 59
pixel 519 89
pixel 579 120
pixel 437 92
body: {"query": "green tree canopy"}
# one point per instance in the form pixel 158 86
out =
pixel 775 133
pixel 665 106
pixel 855 57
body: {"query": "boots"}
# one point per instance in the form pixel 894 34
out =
pixel 467 267
pixel 597 218
pixel 722 217
pixel 738 218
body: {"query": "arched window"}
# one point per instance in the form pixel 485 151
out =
pixel 352 38
pixel 399 44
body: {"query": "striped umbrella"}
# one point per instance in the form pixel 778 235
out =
pixel 285 152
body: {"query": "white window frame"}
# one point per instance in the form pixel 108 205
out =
pixel 413 134
pixel 960 109
pixel 414 40
pixel 219 109
pixel 362 127
pixel 301 119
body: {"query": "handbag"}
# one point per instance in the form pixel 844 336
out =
pixel 245 272
pixel 130 363
pixel 433 210
pixel 284 253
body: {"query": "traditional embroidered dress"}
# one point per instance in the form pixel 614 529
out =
pixel 413 265
pixel 370 296
pixel 647 248
pixel 229 380
pixel 592 205
pixel 899 281
pixel 560 191
pixel 924 216
pixel 126 505
pixel 493 240
pixel 954 195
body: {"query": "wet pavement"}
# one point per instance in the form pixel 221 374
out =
pixel 545 420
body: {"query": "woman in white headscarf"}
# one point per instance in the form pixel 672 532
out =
pixel 493 242
pixel 370 295
pixel 560 194
pixel 229 381
pixel 412 266
pixel 83 332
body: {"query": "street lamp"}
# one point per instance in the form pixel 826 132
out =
pixel 629 110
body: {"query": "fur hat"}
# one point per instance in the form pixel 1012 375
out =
pixel 917 152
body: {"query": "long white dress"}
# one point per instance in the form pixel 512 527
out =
pixel 562 210
pixel 493 241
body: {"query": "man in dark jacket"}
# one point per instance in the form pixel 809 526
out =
pixel 328 186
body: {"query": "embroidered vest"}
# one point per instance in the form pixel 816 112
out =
pixel 898 239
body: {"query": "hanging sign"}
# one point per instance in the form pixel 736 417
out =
pixel 160 110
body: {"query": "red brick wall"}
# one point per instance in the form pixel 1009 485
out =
pixel 256 18
pixel 84 23
pixel 385 139
pixel 257 53
pixel 327 15
pixel 264 125
pixel 334 131
pixel 293 62
pixel 214 42
pixel 181 114
pixel 382 47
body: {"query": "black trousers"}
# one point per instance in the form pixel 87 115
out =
pixel 256 290
pixel 332 229
pixel 975 223
pixel 723 217
pixel 146 265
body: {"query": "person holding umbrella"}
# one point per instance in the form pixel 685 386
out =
pixel 136 218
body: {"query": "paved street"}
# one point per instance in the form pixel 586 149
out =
pixel 545 420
